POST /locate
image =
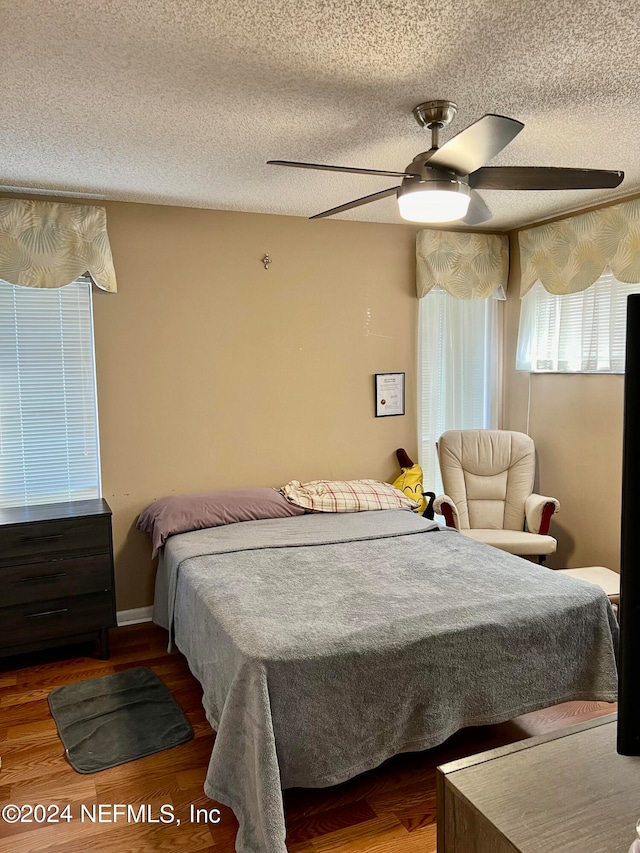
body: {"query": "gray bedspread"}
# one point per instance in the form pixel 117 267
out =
pixel 327 643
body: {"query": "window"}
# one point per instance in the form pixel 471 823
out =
pixel 458 367
pixel 575 333
pixel 48 418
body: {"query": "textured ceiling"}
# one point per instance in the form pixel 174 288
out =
pixel 183 101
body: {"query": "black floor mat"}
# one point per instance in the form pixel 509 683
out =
pixel 107 721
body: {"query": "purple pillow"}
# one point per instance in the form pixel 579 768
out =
pixel 182 513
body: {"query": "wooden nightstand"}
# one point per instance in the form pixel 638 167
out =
pixel 56 576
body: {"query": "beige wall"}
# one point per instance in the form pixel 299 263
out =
pixel 214 373
pixel 576 423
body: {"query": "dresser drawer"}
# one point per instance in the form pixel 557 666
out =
pixel 48 538
pixel 61 578
pixel 29 623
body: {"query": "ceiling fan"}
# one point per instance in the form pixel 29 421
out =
pixel 440 184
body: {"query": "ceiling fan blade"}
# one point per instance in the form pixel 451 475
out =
pixel 543 178
pixel 477 144
pixel 478 211
pixel 364 200
pixel 338 168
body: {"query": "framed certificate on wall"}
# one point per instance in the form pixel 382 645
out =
pixel 389 394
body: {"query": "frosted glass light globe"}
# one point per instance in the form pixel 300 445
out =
pixel 433 205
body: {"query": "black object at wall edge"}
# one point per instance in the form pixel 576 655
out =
pixel 629 653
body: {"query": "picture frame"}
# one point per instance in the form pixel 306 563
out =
pixel 389 394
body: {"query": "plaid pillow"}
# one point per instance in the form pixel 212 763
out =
pixel 345 495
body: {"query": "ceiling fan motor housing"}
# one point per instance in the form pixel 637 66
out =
pixel 429 177
pixel 436 181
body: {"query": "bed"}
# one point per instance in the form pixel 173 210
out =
pixel 326 643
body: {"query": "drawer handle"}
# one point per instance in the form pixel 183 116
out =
pixel 52 538
pixel 37 578
pixel 46 613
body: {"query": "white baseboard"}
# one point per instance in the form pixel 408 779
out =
pixel 133 617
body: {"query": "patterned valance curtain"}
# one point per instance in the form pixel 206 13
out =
pixel 570 255
pixel 46 244
pixel 466 265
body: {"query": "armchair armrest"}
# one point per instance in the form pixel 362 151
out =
pixel 538 510
pixel 445 506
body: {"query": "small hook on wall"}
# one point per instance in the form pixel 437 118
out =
pixel 266 261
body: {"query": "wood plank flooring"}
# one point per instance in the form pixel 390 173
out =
pixel 388 810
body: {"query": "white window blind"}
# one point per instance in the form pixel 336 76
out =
pixel 458 369
pixel 575 333
pixel 48 418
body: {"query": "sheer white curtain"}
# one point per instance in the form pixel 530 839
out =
pixel 458 371
pixel 581 332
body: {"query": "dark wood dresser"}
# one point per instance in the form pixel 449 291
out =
pixel 56 576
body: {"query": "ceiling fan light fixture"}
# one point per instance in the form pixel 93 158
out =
pixel 439 184
pixel 433 201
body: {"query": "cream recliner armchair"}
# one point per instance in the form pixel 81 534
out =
pixel 488 478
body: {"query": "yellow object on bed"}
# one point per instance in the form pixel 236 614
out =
pixel 410 482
